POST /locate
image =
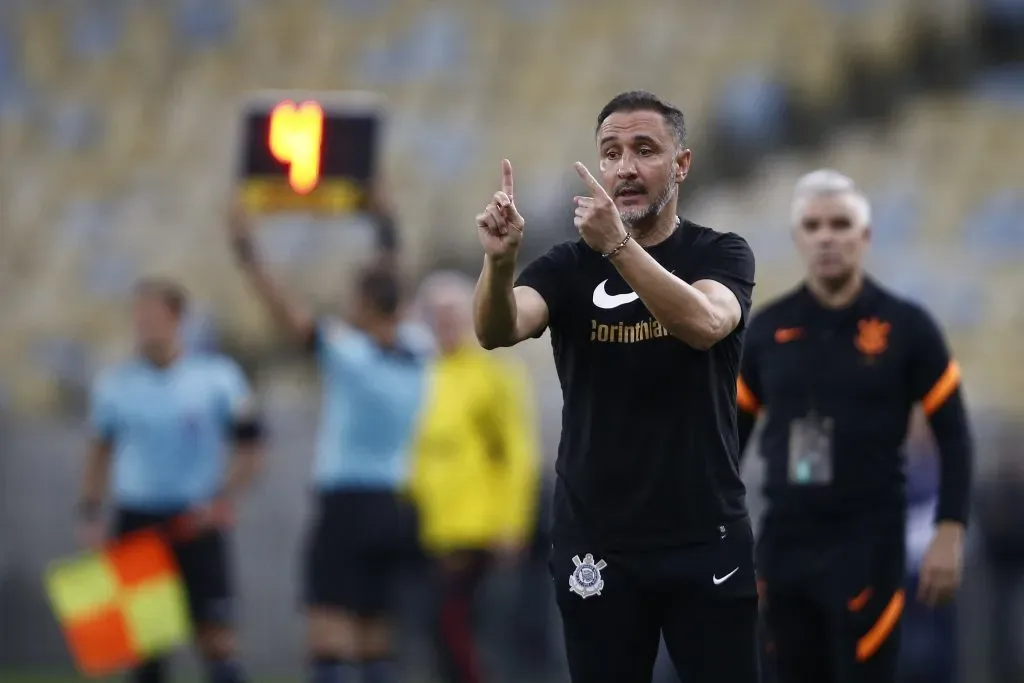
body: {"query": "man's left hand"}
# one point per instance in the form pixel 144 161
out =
pixel 509 551
pixel 597 217
pixel 943 565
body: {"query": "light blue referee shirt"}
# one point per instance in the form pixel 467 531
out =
pixel 170 428
pixel 372 399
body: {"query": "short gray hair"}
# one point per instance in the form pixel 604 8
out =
pixel 826 182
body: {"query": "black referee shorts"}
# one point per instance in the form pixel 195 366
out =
pixel 204 565
pixel 615 608
pixel 833 609
pixel 358 544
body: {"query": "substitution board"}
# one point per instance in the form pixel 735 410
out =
pixel 309 152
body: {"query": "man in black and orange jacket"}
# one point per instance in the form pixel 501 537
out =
pixel 836 367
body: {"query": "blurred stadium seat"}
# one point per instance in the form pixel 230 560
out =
pixel 125 163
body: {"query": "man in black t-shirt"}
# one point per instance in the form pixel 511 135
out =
pixel 647 315
pixel 836 367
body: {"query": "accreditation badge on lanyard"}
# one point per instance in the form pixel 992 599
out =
pixel 810 450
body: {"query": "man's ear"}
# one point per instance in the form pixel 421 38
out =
pixel 683 158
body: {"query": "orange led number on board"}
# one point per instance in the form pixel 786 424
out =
pixel 295 136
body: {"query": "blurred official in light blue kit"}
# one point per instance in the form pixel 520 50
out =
pixel 177 437
pixel 373 369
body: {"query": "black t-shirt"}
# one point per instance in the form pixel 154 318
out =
pixel 864 367
pixel 649 450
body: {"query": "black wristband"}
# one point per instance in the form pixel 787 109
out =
pixel 244 249
pixel 249 430
pixel 89 510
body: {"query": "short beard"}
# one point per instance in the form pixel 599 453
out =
pixel 836 283
pixel 640 218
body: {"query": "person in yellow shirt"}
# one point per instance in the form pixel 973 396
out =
pixel 475 470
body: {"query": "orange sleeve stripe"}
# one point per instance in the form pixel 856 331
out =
pixel 942 389
pixel 858 602
pixel 745 398
pixel 869 644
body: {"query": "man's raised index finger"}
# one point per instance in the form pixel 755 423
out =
pixel 594 186
pixel 506 178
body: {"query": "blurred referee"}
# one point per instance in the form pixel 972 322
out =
pixel 475 474
pixel 373 370
pixel 164 425
pixel 647 315
pixel 837 366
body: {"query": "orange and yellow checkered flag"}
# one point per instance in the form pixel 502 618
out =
pixel 120 606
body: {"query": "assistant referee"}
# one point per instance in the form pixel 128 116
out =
pixel 647 316
pixel 836 366
pixel 175 438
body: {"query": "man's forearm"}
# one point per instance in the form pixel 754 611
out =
pixel 494 304
pixel 94 478
pixel 952 436
pixel 285 312
pixel 244 466
pixel 681 308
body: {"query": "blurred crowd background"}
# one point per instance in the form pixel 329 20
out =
pixel 118 123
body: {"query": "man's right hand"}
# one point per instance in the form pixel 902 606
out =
pixel 500 226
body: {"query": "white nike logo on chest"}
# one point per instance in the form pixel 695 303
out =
pixel 603 299
pixel 717 581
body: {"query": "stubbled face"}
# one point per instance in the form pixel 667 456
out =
pixel 641 163
pixel 831 237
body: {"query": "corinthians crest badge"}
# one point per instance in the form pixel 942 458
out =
pixel 586 580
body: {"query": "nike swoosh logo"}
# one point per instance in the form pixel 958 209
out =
pixel 784 335
pixel 603 299
pixel 724 578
